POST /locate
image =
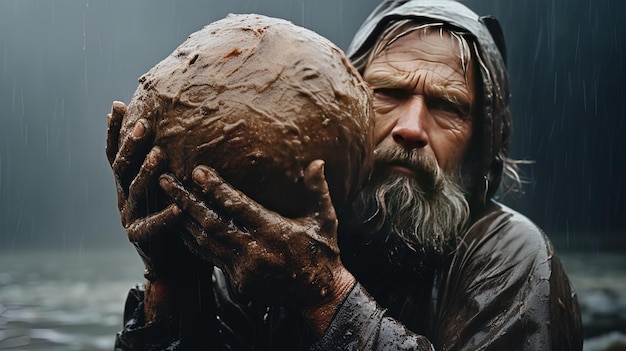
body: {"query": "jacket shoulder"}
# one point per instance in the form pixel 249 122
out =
pixel 507 234
pixel 507 275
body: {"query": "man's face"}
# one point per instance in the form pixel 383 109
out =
pixel 422 98
pixel 414 206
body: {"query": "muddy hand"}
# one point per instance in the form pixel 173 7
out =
pixel 264 254
pixel 134 170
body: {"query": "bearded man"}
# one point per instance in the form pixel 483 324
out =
pixel 428 259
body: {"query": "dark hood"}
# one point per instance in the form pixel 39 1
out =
pixel 492 128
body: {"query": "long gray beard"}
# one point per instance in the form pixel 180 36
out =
pixel 412 218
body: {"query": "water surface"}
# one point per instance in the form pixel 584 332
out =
pixel 73 299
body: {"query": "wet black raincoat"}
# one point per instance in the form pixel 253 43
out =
pixel 504 288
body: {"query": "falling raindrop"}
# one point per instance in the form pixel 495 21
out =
pixel 84 32
pixel 85 75
pixel 266 316
pixel 85 48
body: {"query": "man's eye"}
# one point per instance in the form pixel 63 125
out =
pixel 448 107
pixel 394 93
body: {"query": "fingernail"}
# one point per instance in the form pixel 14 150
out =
pixel 153 158
pixel 140 129
pixel 163 181
pixel 199 176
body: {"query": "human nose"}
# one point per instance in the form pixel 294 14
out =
pixel 409 130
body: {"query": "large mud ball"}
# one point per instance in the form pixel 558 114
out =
pixel 258 99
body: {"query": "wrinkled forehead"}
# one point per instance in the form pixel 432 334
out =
pixel 432 45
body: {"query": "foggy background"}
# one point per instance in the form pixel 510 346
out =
pixel 62 63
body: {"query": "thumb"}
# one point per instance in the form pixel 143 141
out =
pixel 318 198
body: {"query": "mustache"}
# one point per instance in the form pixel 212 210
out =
pixel 427 171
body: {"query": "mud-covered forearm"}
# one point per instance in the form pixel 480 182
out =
pixel 321 315
pixel 361 324
pixel 161 301
pixel 180 331
pixel 140 335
